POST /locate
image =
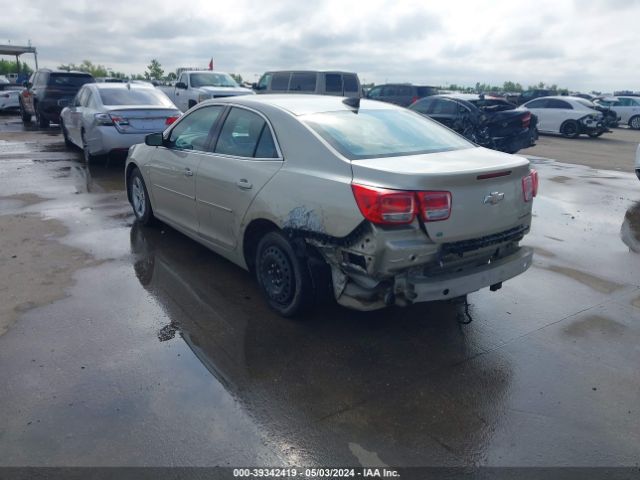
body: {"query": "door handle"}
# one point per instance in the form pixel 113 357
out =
pixel 244 184
pixel 188 172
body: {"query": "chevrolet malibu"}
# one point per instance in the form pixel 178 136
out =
pixel 368 201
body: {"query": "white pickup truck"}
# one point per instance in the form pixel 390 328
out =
pixel 195 86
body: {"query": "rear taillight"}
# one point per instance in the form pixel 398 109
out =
pixel 170 120
pixel 530 186
pixel 103 119
pixel 526 120
pixel 434 206
pixel 382 206
pixel 120 121
pixel 394 207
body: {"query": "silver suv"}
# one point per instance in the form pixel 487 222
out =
pixel 375 203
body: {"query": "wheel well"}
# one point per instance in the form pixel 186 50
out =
pixel 130 168
pixel 252 235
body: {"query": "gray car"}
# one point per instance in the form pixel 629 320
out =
pixel 314 194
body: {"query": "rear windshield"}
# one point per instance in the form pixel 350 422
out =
pixel 66 80
pixel 212 80
pixel 138 96
pixel 383 133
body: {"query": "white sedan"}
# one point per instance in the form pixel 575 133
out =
pixel 9 100
pixel 108 117
pixel 628 107
pixel 569 116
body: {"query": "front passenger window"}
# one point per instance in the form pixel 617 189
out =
pixel 192 132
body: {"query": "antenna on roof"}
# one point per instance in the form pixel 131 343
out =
pixel 353 102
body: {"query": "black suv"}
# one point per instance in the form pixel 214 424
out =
pixel 402 94
pixel 47 92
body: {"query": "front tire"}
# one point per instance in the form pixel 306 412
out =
pixel 139 198
pixel 282 276
pixel 634 122
pixel 570 129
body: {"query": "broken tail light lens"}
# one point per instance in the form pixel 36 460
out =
pixel 530 186
pixel 434 206
pixel 383 206
pixel 526 120
pixel 120 121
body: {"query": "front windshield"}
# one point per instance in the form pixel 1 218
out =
pixel 383 133
pixel 212 80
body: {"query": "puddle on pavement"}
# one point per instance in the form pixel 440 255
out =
pixel 630 230
pixel 597 283
pixel 594 324
pixel 560 179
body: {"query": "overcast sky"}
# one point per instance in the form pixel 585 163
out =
pixel 579 44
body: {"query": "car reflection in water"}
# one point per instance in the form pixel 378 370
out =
pixel 630 230
pixel 396 381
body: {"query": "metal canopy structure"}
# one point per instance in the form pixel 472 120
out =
pixel 17 50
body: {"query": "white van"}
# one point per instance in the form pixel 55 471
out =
pixel 342 84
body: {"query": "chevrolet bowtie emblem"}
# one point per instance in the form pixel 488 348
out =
pixel 493 198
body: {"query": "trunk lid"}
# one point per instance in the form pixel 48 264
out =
pixel 147 119
pixel 478 207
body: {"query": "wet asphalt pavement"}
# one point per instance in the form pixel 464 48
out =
pixel 163 353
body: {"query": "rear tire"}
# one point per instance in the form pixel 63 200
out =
pixel 26 117
pixel 88 157
pixel 139 198
pixel 634 122
pixel 42 121
pixel 283 277
pixel 65 135
pixel 570 129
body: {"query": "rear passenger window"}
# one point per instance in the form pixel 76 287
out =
pixel 245 134
pixel 405 91
pixel 333 83
pixel 350 83
pixel 554 103
pixel 280 82
pixel 303 82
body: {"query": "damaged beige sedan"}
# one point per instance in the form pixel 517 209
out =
pixel 319 195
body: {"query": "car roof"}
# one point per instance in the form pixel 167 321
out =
pixel 301 104
pixel 309 71
pixel 468 96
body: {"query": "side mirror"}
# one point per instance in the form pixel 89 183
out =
pixel 181 85
pixel 154 140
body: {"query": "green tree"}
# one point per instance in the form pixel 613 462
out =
pixel 86 66
pixel 7 66
pixel 171 77
pixel 154 70
pixel 509 86
pixel 237 77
